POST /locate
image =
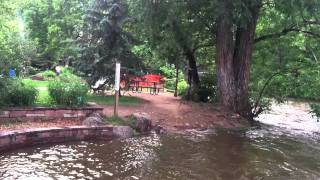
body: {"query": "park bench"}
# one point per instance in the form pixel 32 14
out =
pixel 153 82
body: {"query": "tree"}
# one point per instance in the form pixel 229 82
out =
pixel 177 24
pixel 104 41
pixel 235 33
pixel 52 25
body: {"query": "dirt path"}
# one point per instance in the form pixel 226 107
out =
pixel 174 114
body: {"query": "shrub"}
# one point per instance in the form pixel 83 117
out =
pixel 3 91
pixel 182 87
pixel 170 84
pixel 208 89
pixel 19 94
pixel 315 110
pixel 68 93
pixel 48 75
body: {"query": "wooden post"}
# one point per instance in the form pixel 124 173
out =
pixel 117 88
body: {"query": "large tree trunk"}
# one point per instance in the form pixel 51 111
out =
pixel 234 53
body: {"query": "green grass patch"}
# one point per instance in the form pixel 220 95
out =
pixel 43 98
pixel 122 122
pixel 109 100
pixel 36 84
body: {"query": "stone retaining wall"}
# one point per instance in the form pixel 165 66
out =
pixel 48 113
pixel 17 139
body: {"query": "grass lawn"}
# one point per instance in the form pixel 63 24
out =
pixel 36 84
pixel 44 100
pixel 109 100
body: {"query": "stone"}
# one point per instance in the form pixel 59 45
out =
pixel 159 130
pixel 93 121
pixel 143 123
pixel 123 131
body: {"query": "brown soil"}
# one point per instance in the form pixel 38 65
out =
pixel 10 126
pixel 174 114
pixel 165 110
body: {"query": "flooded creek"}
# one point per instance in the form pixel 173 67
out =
pixel 277 150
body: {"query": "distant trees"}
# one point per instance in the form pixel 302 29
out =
pixel 53 25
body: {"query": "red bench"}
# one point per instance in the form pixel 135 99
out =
pixel 151 81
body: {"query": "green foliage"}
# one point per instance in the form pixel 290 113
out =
pixel 208 88
pixel 16 93
pixel 35 84
pixel 68 93
pixel 105 41
pixel 51 25
pixel 315 110
pixel 47 75
pixel 182 87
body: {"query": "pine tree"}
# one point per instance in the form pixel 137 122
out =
pixel 104 41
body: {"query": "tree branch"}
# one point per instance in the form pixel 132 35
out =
pixel 200 46
pixel 285 32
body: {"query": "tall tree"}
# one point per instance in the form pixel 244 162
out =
pixel 104 41
pixel 236 27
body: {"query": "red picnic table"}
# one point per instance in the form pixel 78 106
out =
pixel 150 81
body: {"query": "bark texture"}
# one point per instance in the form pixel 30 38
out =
pixel 234 53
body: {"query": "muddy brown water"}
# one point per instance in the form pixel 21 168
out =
pixel 270 152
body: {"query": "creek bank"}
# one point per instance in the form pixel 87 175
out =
pixel 30 137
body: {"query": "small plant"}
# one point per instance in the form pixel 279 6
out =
pixel 315 110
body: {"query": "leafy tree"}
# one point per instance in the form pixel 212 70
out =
pixel 177 26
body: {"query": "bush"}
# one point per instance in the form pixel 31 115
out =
pixel 19 94
pixel 170 84
pixel 68 93
pixel 208 89
pixel 3 91
pixel 182 87
pixel 315 110
pixel 47 75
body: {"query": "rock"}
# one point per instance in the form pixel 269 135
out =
pixel 123 131
pixel 93 121
pixel 143 123
pixel 159 130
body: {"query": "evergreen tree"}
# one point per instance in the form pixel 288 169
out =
pixel 105 41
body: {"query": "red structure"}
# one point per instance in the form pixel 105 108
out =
pixel 153 82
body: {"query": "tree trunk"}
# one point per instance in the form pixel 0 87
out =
pixel 177 80
pixel 193 69
pixel 193 76
pixel 234 53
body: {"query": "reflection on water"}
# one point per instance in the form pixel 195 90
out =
pixel 270 152
pixel 255 154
